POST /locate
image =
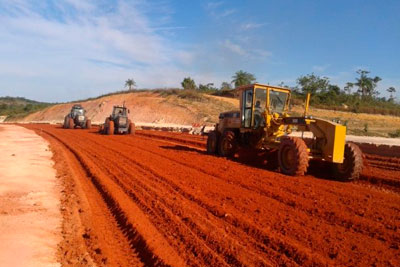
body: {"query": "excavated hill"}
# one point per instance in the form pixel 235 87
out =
pixel 170 106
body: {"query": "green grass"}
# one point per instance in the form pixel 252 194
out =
pixel 19 107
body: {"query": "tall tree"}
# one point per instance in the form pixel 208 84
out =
pixel 366 85
pixel 130 83
pixel 243 78
pixel 313 84
pixel 188 84
pixel 391 90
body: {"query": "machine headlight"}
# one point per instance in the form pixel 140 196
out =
pixel 81 118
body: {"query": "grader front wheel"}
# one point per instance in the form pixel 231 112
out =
pixel 352 165
pixel 227 145
pixel 293 156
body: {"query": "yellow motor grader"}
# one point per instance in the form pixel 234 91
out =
pixel 263 123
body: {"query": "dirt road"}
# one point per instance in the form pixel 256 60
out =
pixel 157 198
pixel 30 218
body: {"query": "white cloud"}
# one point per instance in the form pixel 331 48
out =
pixel 250 26
pixel 235 48
pixel 214 5
pixel 227 12
pixel 320 68
pixel 89 50
pixel 217 10
pixel 252 53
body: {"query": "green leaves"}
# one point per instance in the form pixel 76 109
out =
pixel 243 78
pixel 188 84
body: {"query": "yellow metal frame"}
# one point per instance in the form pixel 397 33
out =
pixel 330 136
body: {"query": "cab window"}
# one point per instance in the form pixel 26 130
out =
pixel 277 101
pixel 246 109
pixel 259 108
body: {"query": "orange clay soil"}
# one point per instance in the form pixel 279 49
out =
pixel 142 200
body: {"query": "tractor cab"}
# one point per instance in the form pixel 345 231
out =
pixel 261 104
pixel 119 111
pixel 77 110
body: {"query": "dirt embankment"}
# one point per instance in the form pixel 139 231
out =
pixel 145 107
pixel 160 200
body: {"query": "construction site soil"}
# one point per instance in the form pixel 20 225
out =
pixel 157 198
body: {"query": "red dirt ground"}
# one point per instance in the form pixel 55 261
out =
pixel 157 199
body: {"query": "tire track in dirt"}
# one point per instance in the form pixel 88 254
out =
pixel 289 201
pixel 114 140
pixel 137 242
pixel 228 257
pixel 216 204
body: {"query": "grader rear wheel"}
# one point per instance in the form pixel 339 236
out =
pixel 227 145
pixel 212 142
pixel 110 128
pixel 293 156
pixel 352 165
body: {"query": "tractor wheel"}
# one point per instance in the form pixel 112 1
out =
pixel 110 128
pixel 227 146
pixel 212 142
pixel 352 164
pixel 65 125
pixel 293 156
pixel 71 123
pixel 132 128
pixel 101 129
pixel 88 124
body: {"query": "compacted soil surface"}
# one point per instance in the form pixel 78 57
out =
pixel 30 217
pixel 158 199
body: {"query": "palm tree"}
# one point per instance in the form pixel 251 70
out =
pixel 348 87
pixel 391 90
pixel 366 85
pixel 130 83
pixel 243 78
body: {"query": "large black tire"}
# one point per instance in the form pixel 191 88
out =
pixel 71 123
pixel 352 165
pixel 293 156
pixel 88 124
pixel 212 142
pixel 227 145
pixel 65 125
pixel 110 127
pixel 101 129
pixel 132 128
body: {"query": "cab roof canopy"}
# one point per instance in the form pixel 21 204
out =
pixel 77 106
pixel 265 86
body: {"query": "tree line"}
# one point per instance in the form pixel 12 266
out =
pixel 360 95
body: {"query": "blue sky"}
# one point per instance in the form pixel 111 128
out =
pixel 64 50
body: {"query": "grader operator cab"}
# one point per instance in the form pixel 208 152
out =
pixel 77 118
pixel 118 122
pixel 263 123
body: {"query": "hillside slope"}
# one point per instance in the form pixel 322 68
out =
pixel 185 108
pixel 145 107
pixel 18 107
